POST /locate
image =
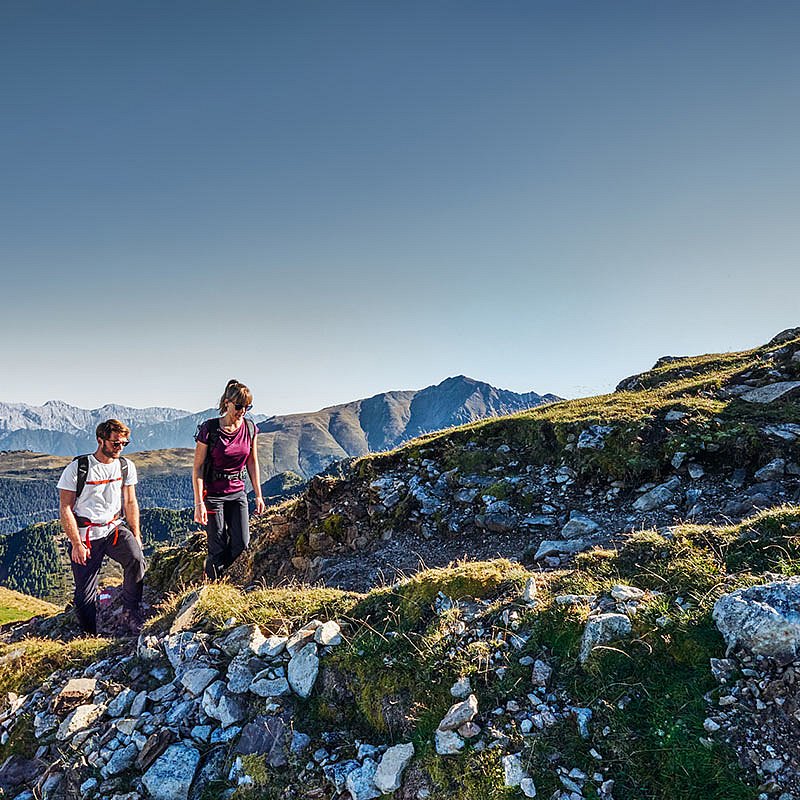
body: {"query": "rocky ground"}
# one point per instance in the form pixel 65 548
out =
pixel 638 637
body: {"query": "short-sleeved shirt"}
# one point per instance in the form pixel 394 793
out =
pixel 229 455
pixel 101 498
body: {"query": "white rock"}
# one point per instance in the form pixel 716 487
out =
pixel 459 713
pixel 541 673
pixel 389 774
pixel 579 525
pixel 461 688
pixel 82 717
pixel 528 788
pixel 624 594
pixel 601 629
pixel 328 634
pixel 764 620
pixel 513 771
pixel 530 592
pixel 121 703
pixel 303 669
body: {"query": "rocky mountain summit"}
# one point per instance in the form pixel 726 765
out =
pixel 591 599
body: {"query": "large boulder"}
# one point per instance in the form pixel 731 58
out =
pixel 763 620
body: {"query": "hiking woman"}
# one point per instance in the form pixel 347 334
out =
pixel 224 455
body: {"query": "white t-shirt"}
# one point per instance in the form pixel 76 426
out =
pixel 101 497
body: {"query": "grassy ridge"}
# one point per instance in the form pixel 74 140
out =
pixel 15 606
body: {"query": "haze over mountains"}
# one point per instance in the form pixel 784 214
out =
pixel 302 443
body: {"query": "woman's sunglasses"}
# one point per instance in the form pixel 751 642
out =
pixel 240 406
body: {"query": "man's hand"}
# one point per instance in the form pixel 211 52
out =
pixel 201 514
pixel 260 506
pixel 80 553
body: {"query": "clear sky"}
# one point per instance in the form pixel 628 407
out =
pixel 327 200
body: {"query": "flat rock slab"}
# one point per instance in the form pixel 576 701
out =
pixel 76 692
pixel 265 735
pixel 783 390
pixel 81 718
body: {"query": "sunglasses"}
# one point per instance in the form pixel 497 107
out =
pixel 240 406
pixel 119 443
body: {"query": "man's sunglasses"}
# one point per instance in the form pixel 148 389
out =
pixel 240 406
pixel 120 443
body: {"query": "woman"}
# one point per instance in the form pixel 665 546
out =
pixel 224 454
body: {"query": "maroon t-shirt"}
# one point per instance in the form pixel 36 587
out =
pixel 229 454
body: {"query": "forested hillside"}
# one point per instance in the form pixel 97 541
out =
pixel 34 560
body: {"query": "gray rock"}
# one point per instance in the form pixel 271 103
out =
pixel 695 471
pixel 678 459
pixel 138 704
pixel 656 497
pixel 245 637
pixel 239 674
pixel 121 761
pixel 361 782
pixel 270 687
pixel 300 638
pixel 268 736
pixel 579 525
pixel 196 680
pixel 601 629
pixel 303 669
pixel 272 646
pixel 75 692
pixel 539 521
pixel 594 437
pixel 185 617
pixel 783 390
pixel 337 773
pixel 172 773
pixel 541 673
pixel 773 471
pixel 513 771
pixel 121 703
pixel 461 688
pixel 459 713
pixel 220 705
pixel 763 620
pixel 624 594
pixel 448 743
pixel 788 431
pixel 674 416
pixel 184 646
pixel 552 547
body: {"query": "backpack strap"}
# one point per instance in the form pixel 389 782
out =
pixel 251 428
pixel 83 473
pixel 123 465
pixel 213 428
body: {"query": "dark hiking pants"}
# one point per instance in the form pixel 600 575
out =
pixel 228 531
pixel 122 547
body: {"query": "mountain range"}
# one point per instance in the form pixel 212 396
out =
pixel 301 443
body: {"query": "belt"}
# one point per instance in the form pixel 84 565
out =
pixel 231 476
pixel 83 522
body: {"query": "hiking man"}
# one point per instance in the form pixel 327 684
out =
pixel 96 492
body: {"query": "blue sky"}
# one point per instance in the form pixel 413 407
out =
pixel 330 200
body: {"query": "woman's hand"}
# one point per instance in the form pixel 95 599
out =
pixel 260 506
pixel 201 514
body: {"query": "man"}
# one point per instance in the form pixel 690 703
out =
pixel 96 492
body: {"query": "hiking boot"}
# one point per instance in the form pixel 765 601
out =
pixel 132 619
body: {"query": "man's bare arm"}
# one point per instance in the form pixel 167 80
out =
pixel 70 525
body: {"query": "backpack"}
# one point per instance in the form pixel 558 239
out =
pixel 213 438
pixel 83 472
